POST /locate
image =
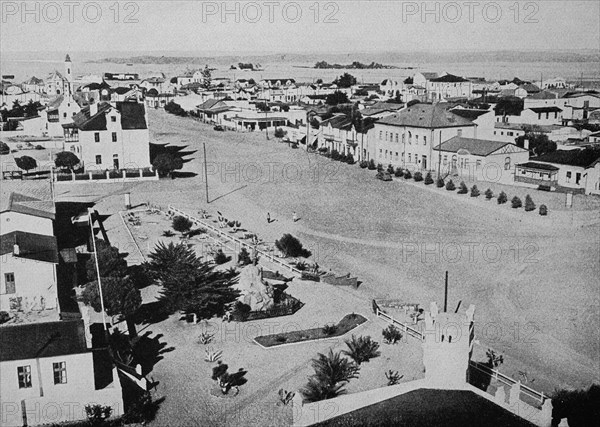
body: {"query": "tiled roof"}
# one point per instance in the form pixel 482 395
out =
pixel 476 147
pixel 27 197
pixel 582 158
pixel 34 81
pixel 470 114
pixel 429 75
pixel 132 116
pixel 47 339
pixel 37 247
pixel 540 166
pixel 430 116
pixel 449 78
pixel 340 121
pixel 544 94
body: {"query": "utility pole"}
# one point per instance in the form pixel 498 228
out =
pixel 446 294
pixel 205 172
pixel 97 271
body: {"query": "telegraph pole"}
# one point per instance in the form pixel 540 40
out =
pixel 205 172
pixel 97 271
pixel 446 294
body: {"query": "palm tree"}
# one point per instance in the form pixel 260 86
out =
pixel 168 259
pixel 332 372
pixel 362 349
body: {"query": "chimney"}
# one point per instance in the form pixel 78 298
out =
pixel 93 109
pixel 16 249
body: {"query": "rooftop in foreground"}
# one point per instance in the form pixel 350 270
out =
pixel 428 407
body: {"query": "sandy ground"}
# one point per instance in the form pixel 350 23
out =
pixel 534 280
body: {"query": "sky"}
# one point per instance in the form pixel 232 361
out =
pixel 298 27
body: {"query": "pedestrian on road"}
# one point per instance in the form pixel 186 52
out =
pixel 294 217
pixel 268 218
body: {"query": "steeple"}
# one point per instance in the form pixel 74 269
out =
pixel 68 84
pixel 67 58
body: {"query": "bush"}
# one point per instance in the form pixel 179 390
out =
pixel 4 317
pixel 330 329
pixel 379 167
pixel 393 377
pixel 474 191
pixel 543 210
pixel 241 311
pixel 244 257
pixel 418 177
pixel 489 194
pixel 362 349
pixel 428 179
pixel 579 407
pixel 399 172
pixel 529 205
pixel 220 257
pixel 363 164
pixel 371 166
pixel 502 198
pixel 440 182
pixel 40 147
pixel 279 133
pixel 350 159
pixel 335 155
pixel 181 224
pixel 97 414
pixel 290 246
pixel 66 160
pixel 407 174
pixel 4 148
pixel 450 186
pixel 294 145
pixel 462 188
pixel 390 169
pixel 391 334
pixel 516 202
pixel 26 163
pixel 166 163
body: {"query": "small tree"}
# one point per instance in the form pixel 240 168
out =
pixel 26 163
pixel 428 179
pixel 489 194
pixel 362 349
pixel 494 360
pixel 390 169
pixel 279 133
pixel 110 262
pixel 244 257
pixel 474 191
pixel 166 163
pixel 379 167
pixel 363 164
pixel 407 174
pixel 440 182
pixel 97 414
pixel 181 224
pixel 290 246
pixel 529 205
pixel 220 257
pixel 543 210
pixel 4 148
pixel 399 172
pixel 66 160
pixel 336 98
pixel 462 189
pixel 332 372
pixel 391 334
pixel 371 166
pixel 418 177
pixel 502 198
pixel 450 186
pixel 516 202
pixel 350 159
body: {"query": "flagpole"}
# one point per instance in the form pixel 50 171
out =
pixel 97 270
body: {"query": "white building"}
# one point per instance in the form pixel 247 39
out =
pixel 110 136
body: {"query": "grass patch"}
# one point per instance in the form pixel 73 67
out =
pixel 349 322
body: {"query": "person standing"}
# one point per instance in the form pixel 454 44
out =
pixel 294 217
pixel 268 218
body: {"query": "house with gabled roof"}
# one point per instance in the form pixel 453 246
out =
pixel 110 136
pixel 407 138
pixel 448 86
pixel 33 84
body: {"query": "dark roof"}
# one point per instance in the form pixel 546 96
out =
pixel 121 90
pixel 209 104
pixel 540 166
pixel 581 158
pixel 469 114
pixel 37 247
pixel 429 408
pixel 551 109
pixel 132 116
pixel 544 94
pixel 431 116
pixel 96 86
pixel 449 78
pixel 47 339
pixel 429 75
pixel 27 204
pixel 476 147
pixel 340 121
pixel 529 87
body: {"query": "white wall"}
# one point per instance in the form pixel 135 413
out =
pixel 15 221
pixel 34 281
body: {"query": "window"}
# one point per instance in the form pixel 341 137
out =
pixel 380 134
pixel 478 164
pixel 60 372
pixel 396 155
pixel 403 138
pixel 396 137
pixel 24 374
pixel 114 137
pixel 459 132
pixel 494 132
pixel 569 176
pixel 409 137
pixel 386 136
pixel 416 139
pixel 501 133
pixel 507 163
pixel 510 133
pixel 409 158
pixel 425 140
pixel 113 119
pixel 98 159
pixel 65 115
pixel 96 136
pixel 9 283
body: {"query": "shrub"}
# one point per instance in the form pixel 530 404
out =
pixel 379 167
pixel 330 329
pixel 241 311
pixel 279 133
pixel 440 182
pixel 290 246
pixel 428 179
pixel 407 174
pixel 474 191
pixel 323 150
pixel 66 160
pixel 166 163
pixel 195 232
pixel 4 317
pixel 40 147
pixel 220 257
pixel 285 396
pixel 26 163
pixel 462 188
pixel 335 155
pixel 390 169
pixel 97 414
pixel 450 186
pixel 502 198
pixel 371 166
pixel 543 210
pixel 332 372
pixel 212 356
pixel 529 205
pixel 393 377
pixel 516 202
pixel 494 360
pixel 418 177
pixel 205 338
pixel 362 349
pixel 399 172
pixel 168 233
pixel 4 148
pixel 391 334
pixel 294 145
pixel 350 159
pixel 489 194
pixel 244 257
pixel 181 224
pixel 363 164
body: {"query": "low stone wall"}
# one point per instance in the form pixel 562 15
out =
pixel 106 177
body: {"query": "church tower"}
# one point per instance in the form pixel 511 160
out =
pixel 68 84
